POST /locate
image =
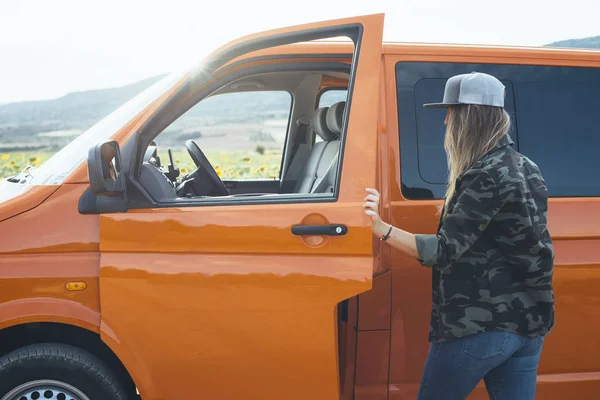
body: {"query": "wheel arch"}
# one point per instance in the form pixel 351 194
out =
pixel 17 336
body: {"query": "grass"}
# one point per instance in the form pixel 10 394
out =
pixel 228 164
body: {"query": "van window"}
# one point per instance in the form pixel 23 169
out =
pixel 559 125
pixel 241 134
pixel 552 109
pixel 328 98
pixel 331 96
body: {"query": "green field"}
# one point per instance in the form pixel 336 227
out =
pixel 229 165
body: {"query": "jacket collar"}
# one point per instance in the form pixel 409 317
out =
pixel 503 143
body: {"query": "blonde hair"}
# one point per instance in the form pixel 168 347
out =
pixel 471 132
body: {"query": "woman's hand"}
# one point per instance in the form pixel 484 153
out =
pixel 400 239
pixel 371 207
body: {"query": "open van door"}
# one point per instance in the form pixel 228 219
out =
pixel 238 300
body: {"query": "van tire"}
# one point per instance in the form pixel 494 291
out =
pixel 60 363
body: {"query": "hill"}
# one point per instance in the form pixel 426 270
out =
pixel 80 106
pixel 65 116
pixel 584 43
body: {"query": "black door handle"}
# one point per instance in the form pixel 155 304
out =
pixel 320 230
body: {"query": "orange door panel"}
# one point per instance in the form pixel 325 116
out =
pixel 224 302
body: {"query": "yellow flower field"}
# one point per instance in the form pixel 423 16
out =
pixel 229 165
pixel 233 164
pixel 13 163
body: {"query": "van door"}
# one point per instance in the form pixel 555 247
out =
pixel 237 301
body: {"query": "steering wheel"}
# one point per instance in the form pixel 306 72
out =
pixel 205 168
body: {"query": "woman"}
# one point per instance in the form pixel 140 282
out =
pixel 492 257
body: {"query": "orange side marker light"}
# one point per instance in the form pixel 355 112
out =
pixel 76 286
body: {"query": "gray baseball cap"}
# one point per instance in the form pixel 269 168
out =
pixel 474 88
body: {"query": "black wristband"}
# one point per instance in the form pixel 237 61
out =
pixel 387 236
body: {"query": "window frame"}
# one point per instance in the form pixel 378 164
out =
pixel 288 132
pixel 139 197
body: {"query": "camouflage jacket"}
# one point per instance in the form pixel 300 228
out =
pixel 492 258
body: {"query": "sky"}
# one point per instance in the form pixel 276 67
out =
pixel 52 47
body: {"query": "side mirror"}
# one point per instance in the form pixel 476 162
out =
pixel 104 169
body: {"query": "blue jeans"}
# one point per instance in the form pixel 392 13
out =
pixel 505 361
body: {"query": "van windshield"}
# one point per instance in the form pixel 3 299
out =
pixel 60 165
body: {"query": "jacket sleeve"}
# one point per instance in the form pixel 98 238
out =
pixel 479 200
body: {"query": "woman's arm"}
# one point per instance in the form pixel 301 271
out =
pixel 398 238
pixel 478 202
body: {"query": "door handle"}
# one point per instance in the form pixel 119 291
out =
pixel 320 230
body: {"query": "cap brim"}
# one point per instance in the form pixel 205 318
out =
pixel 440 105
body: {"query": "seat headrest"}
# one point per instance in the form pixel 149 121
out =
pixel 319 125
pixel 335 115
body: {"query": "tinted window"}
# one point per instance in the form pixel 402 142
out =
pixel 559 125
pixel 430 128
pixel 555 118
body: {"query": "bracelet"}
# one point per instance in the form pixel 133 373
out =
pixel 387 235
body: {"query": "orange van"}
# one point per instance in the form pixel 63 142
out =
pixel 124 275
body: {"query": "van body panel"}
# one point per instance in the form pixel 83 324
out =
pixel 55 226
pixel 374 312
pixel 32 289
pixel 372 364
pixel 18 198
pixel 40 251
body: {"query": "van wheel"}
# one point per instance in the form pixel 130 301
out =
pixel 57 372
